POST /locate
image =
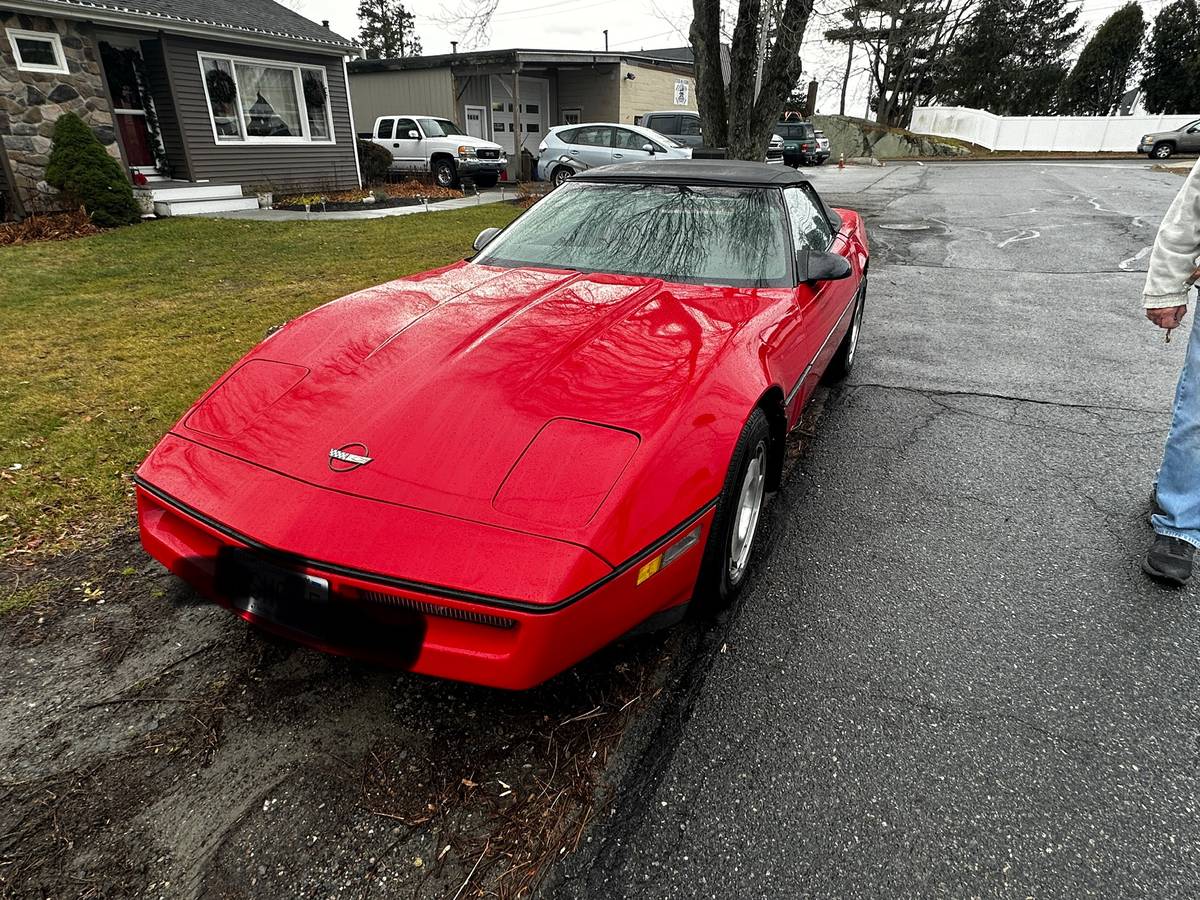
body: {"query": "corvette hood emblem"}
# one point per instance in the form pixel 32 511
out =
pixel 348 457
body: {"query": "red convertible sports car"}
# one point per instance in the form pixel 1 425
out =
pixel 491 470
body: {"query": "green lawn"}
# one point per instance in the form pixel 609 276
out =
pixel 107 339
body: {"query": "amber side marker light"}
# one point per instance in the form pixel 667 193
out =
pixel 668 556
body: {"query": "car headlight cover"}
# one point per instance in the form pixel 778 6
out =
pixel 566 472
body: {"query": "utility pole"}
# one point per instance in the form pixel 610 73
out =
pixel 605 40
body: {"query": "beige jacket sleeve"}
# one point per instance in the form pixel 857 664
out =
pixel 1176 248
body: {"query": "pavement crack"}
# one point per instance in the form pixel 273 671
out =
pixel 940 392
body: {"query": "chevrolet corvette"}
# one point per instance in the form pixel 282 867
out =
pixel 491 470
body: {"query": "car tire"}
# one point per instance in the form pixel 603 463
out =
pixel 560 175
pixel 445 173
pixel 487 180
pixel 1162 150
pixel 843 360
pixel 729 550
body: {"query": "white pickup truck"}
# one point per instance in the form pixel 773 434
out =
pixel 432 144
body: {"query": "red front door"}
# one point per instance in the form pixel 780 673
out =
pixel 135 138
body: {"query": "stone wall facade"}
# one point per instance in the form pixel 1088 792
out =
pixel 31 102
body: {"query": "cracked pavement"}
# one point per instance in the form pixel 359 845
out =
pixel 949 677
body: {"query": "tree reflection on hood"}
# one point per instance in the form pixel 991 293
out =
pixel 718 235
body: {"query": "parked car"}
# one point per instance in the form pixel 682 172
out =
pixel 822 147
pixel 801 145
pixel 491 470
pixel 569 149
pixel 432 144
pixel 1165 144
pixel 683 127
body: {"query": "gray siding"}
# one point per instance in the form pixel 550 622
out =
pixel 427 92
pixel 164 108
pixel 287 167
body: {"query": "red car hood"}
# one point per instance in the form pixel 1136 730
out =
pixel 445 379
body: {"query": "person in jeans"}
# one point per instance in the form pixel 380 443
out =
pixel 1176 501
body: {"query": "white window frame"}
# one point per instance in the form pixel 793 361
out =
pixel 298 70
pixel 55 41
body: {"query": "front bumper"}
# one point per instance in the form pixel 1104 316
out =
pixel 474 165
pixel 1144 148
pixel 378 613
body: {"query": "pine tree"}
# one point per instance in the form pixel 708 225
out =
pixel 1009 59
pixel 1046 32
pixel 387 29
pixel 1101 76
pixel 88 176
pixel 1172 77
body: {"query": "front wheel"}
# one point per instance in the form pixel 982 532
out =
pixel 445 173
pixel 731 539
pixel 1162 150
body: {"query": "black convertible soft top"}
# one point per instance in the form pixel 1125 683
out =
pixel 697 171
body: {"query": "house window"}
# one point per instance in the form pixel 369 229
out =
pixel 262 101
pixel 37 51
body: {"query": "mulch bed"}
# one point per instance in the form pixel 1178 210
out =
pixel 52 227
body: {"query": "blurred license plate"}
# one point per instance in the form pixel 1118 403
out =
pixel 271 591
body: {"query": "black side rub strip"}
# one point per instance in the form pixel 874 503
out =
pixel 432 590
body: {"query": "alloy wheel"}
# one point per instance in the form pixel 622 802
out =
pixel 746 514
pixel 855 327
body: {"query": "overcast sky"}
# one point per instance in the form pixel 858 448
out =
pixel 632 25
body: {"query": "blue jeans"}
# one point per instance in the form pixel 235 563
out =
pixel 1179 478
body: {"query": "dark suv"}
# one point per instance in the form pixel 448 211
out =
pixel 800 144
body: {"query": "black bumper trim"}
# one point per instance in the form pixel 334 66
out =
pixel 418 587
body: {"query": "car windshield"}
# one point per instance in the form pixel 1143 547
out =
pixel 662 138
pixel 698 235
pixel 439 127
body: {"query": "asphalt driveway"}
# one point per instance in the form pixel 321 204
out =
pixel 949 677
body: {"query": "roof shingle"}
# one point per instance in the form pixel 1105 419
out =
pixel 265 17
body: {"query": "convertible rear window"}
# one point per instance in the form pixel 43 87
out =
pixel 699 235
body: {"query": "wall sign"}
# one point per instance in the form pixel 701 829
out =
pixel 681 93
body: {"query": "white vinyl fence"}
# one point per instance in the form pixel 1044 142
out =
pixel 1080 133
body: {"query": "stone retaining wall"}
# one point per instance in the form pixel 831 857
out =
pixel 30 103
pixel 858 138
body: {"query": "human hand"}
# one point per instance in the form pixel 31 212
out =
pixel 1167 317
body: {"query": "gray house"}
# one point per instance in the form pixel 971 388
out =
pixel 198 99
pixel 515 96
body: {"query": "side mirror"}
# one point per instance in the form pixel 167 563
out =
pixel 413 134
pixel 649 148
pixel 485 238
pixel 814 266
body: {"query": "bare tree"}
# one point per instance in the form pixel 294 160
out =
pixel 764 67
pixel 904 41
pixel 764 64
